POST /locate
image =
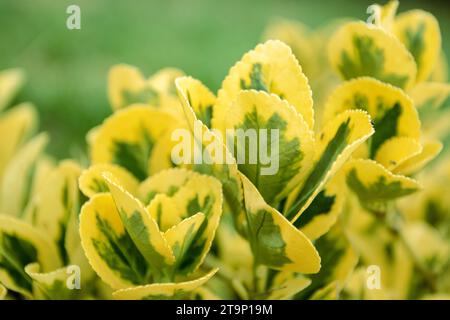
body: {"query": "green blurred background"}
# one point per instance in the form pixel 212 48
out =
pixel 67 69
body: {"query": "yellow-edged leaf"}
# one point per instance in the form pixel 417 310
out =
pixel 141 227
pixel 358 49
pixel 270 67
pixel 164 291
pixel 419 31
pixel 129 139
pixel 275 242
pixel 91 180
pixel 16 184
pixel 20 245
pixel 338 140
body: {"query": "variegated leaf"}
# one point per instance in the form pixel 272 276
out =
pixel 167 182
pixel 392 111
pixel 182 236
pixel 358 49
pixel 142 228
pixel 375 185
pixel 270 67
pixel 127 86
pixel 396 151
pixel 430 150
pixel 220 165
pixel 338 140
pixel 275 242
pixel 20 245
pixel 323 211
pixel 164 291
pixel 91 180
pixel 56 204
pixel 273 145
pixel 202 194
pixel 16 184
pixel 198 97
pixel 419 31
pixel 338 262
pixel 52 285
pixel 130 137
pixel 109 247
pixel 285 285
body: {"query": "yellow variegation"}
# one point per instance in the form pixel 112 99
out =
pixel 52 285
pixel 338 140
pixel 16 185
pixel 92 182
pixel 20 245
pixel 374 185
pixel 275 241
pixel 256 110
pixel 127 86
pixel 419 32
pixel 358 49
pixel 169 238
pixel 270 67
pixel 130 137
pixel 141 227
pixel 163 291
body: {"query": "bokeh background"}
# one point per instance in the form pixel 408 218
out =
pixel 67 69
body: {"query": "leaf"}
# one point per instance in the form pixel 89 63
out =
pixel 270 67
pixel 432 100
pixel 430 150
pixel 10 82
pixel 108 246
pixel 222 166
pixel 17 124
pixel 51 285
pixel 392 111
pixel 181 237
pixel 275 242
pixel 165 212
pixel 20 245
pixel 193 93
pixel 164 291
pixel 91 180
pixel 358 49
pixel 166 182
pixel 323 211
pixel 338 140
pixel 286 285
pixel 16 184
pixel 57 203
pixel 397 150
pixel 141 227
pixel 203 194
pixel 273 145
pixel 419 32
pixel 338 262
pixel 374 185
pixel 130 137
pixel 127 86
